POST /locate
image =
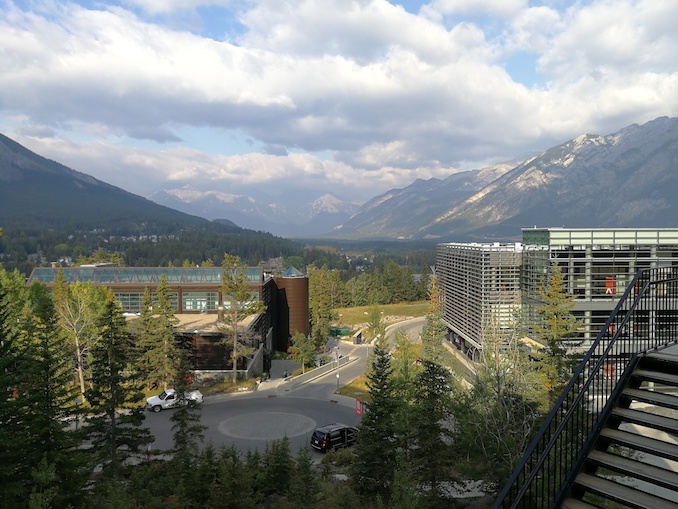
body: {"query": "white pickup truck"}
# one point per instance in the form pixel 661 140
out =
pixel 169 399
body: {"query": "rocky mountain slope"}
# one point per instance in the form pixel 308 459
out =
pixel 400 212
pixel 625 179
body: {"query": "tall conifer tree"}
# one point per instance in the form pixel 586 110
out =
pixel 556 332
pixel 430 453
pixel 114 426
pixel 14 476
pixel 434 329
pixel 374 465
pixel 50 402
pixel 156 342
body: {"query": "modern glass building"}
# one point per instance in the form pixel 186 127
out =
pixel 484 284
pixel 194 289
pixel 598 264
pixel 480 287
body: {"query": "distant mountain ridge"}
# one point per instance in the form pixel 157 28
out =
pixel 263 213
pixel 625 179
pixel 400 212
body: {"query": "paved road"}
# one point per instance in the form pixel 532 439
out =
pixel 412 327
pixel 251 420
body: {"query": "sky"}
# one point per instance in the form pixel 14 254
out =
pixel 307 97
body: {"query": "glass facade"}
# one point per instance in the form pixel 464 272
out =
pixel 486 283
pixel 193 289
pixel 139 275
pixel 480 287
pixel 199 301
pixel 598 265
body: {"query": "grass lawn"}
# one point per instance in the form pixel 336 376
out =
pixel 392 312
pixel 357 385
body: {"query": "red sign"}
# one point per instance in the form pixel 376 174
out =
pixel 358 407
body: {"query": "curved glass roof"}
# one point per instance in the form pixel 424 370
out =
pixel 138 275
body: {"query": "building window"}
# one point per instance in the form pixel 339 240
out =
pixel 199 301
pixel 130 301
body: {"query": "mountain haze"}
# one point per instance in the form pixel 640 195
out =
pixel 295 218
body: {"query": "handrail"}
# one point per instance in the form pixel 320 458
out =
pixel 646 317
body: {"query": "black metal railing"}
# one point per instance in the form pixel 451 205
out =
pixel 645 318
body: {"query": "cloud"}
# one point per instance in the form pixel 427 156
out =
pixel 168 6
pixel 353 97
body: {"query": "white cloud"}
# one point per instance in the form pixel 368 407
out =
pixel 386 96
pixel 167 6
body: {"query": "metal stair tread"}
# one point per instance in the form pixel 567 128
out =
pixel 647 419
pixel 656 376
pixel 574 503
pixel 621 493
pixel 632 468
pixel 641 443
pixel 661 356
pixel 654 397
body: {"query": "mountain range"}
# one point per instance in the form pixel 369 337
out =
pixel 262 213
pixel 624 179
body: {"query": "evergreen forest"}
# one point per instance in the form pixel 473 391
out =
pixel 74 379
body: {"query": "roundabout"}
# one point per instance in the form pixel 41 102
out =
pixel 267 426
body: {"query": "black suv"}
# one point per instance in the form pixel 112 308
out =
pixel 333 436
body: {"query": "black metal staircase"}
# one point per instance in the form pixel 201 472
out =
pixel 611 441
pixel 634 460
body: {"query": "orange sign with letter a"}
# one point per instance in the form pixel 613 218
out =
pixel 610 285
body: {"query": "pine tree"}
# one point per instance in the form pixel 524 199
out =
pixel 322 286
pixel 375 450
pixel 434 329
pixel 51 401
pixel 255 473
pixel 406 368
pixel 114 426
pixel 186 427
pixel 205 476
pixel 238 304
pixel 430 453
pixel 375 323
pixel 156 338
pixel 231 489
pixel 14 476
pixel 278 467
pixel 305 484
pixel 35 368
pixel 556 332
